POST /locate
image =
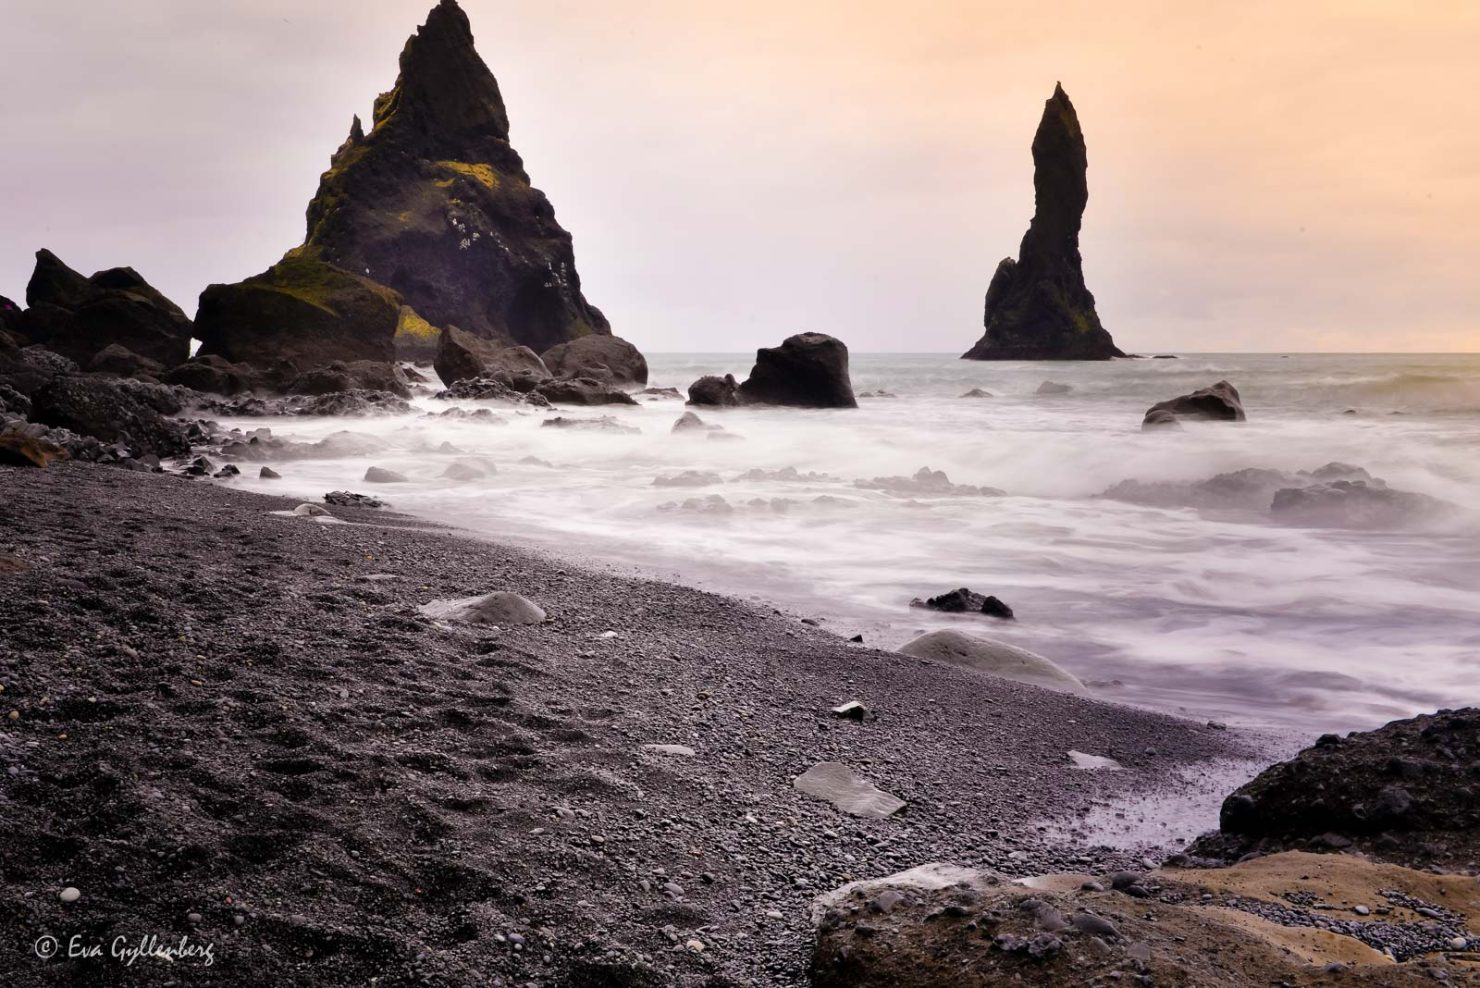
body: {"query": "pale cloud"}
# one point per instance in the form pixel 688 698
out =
pixel 1263 175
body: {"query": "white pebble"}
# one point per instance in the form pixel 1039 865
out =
pixel 70 894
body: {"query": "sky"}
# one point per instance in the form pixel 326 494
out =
pixel 1287 176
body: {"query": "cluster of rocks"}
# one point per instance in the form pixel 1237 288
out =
pixel 926 483
pixel 965 601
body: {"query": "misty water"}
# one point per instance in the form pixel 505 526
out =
pixel 1220 613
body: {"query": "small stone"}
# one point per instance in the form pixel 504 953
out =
pixel 310 510
pixel 268 473
pixel 852 710
pixel 194 918
pixel 70 894
pixel 1361 910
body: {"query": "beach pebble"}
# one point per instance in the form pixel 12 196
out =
pixel 682 750
pixel 500 607
pixel 70 894
pixel 310 510
pixel 1361 910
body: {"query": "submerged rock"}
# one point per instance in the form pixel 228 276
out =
pixel 1053 388
pixel 1357 504
pixel 926 483
pixel 993 658
pixel 1217 403
pixel 609 359
pixel 809 370
pixel 491 389
pixel 604 423
pixel 435 203
pixel 380 475
pixel 1037 307
pixel 965 600
pixel 500 607
pixel 977 393
pixel 847 790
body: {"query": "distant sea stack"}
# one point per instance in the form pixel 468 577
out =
pixel 434 203
pixel 1037 307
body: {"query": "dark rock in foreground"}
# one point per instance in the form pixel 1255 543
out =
pixel 463 357
pixel 1037 307
pixel 298 315
pixel 608 359
pixel 583 391
pixel 1217 403
pixel 714 392
pixel 114 412
pixel 213 375
pixel 809 370
pixel 1407 792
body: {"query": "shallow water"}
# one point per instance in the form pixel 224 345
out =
pixel 1225 615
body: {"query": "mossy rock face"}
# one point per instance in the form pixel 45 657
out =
pixel 79 317
pixel 1037 306
pixel 435 203
pixel 299 315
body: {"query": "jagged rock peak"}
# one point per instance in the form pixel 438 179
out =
pixel 444 87
pixel 1037 306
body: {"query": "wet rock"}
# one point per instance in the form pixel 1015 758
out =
pixel 847 790
pixel 1216 403
pixel 1052 388
pixel 964 601
pixel 267 473
pixel 926 483
pixel 583 391
pixel 213 375
pixel 689 422
pixel 852 710
pixel 491 389
pixel 1037 307
pixel 112 411
pixel 688 478
pixel 809 370
pixel 977 393
pixel 1094 763
pixel 1159 418
pixel 608 359
pixel 20 450
pixel 349 499
pixel 311 511
pixel 993 658
pixel 467 470
pixel 359 375
pixel 380 475
pixel 715 392
pixel 498 608
pixel 605 423
pixel 1357 504
pixel 462 356
pixel 1403 793
pixel 122 362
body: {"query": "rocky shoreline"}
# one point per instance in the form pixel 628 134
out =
pixel 234 724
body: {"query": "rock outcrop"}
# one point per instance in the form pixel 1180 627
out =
pixel 462 357
pixel 1406 793
pixel 113 411
pixel 604 358
pixel 435 203
pixel 1216 403
pixel 79 317
pixel 1037 307
pixel 300 314
pixel 809 370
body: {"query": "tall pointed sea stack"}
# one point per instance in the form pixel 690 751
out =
pixel 1037 306
pixel 434 203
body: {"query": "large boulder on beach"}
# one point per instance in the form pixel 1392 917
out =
pixel 1407 792
pixel 213 375
pixel 1037 306
pixel 299 314
pixel 1216 403
pixel 583 391
pixel 610 359
pixel 462 357
pixel 711 391
pixel 432 201
pixel 993 658
pixel 80 316
pixel 123 362
pixel 26 369
pixel 809 370
pixel 500 607
pixel 109 410
pixel 358 375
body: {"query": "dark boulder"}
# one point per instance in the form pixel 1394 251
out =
pixel 1037 307
pixel 715 392
pixel 1159 418
pixel 1406 793
pixel 966 601
pixel 1218 403
pixel 462 357
pixel 298 315
pixel 583 391
pixel 10 316
pixel 809 370
pixel 603 358
pixel 79 316
pixel 213 375
pixel 123 362
pixel 491 389
pixel 19 449
pixel 432 201
pixel 1053 388
pixel 359 375
pixel 111 411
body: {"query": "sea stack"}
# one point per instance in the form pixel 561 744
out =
pixel 434 203
pixel 1037 306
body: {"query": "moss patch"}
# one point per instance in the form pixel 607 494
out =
pixel 414 327
pixel 479 172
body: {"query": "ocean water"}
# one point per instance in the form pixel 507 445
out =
pixel 1212 612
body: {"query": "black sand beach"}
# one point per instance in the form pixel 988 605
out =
pixel 234 726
